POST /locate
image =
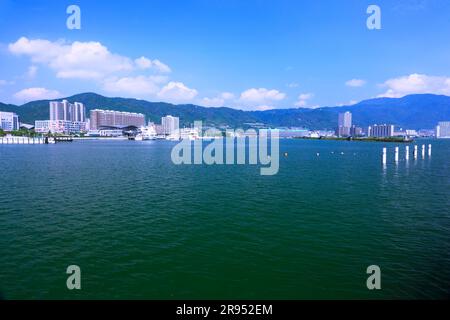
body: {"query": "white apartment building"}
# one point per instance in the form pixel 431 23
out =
pixel 344 124
pixel 381 131
pixel 443 130
pixel 170 125
pixel 59 126
pixel 67 111
pixel 9 121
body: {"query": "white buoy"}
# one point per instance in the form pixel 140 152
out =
pixel 429 150
pixel 396 154
pixel 423 151
pixel 407 153
pixel 415 152
pixel 384 155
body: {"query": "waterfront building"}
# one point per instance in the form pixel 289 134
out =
pixel 171 125
pixel 115 119
pixel 381 131
pixel 67 111
pixel 159 129
pixel 59 126
pixel 443 130
pixel 65 117
pixel 356 131
pixel 9 121
pixel 344 124
pixel 411 133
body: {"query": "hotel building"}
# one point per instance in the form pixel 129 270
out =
pixel 67 111
pixel 115 119
pixel 381 131
pixel 170 125
pixel 65 117
pixel 9 121
pixel 443 130
pixel 344 124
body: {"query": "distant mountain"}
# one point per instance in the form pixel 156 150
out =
pixel 413 111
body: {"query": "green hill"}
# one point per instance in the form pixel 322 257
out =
pixel 414 111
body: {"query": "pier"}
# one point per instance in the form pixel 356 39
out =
pixel 34 140
pixel 22 140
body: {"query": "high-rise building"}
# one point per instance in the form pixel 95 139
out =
pixel 78 113
pixel 356 131
pixel 171 125
pixel 344 124
pixel 108 118
pixel 67 111
pixel 345 119
pixel 9 121
pixel 443 130
pixel 65 117
pixel 381 131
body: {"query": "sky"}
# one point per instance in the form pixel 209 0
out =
pixel 250 55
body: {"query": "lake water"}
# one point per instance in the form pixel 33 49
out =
pixel 141 227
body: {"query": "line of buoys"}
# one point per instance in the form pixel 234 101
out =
pixel 397 153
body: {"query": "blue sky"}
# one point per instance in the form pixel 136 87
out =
pixel 251 55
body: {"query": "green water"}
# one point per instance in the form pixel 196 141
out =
pixel 140 227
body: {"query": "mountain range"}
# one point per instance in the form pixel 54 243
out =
pixel 419 111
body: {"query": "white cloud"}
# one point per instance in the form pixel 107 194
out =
pixel 262 108
pixel 161 66
pixel 218 101
pixel 227 95
pixel 32 71
pixel 83 60
pixel 260 98
pixel 140 86
pixel 213 102
pixel 350 103
pixel 177 92
pixel 416 84
pixel 31 94
pixel 303 99
pixel 145 63
pixel 293 85
pixel 355 83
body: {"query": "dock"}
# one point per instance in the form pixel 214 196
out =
pixel 22 140
pixel 34 140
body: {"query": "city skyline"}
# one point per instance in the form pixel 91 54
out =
pixel 218 65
